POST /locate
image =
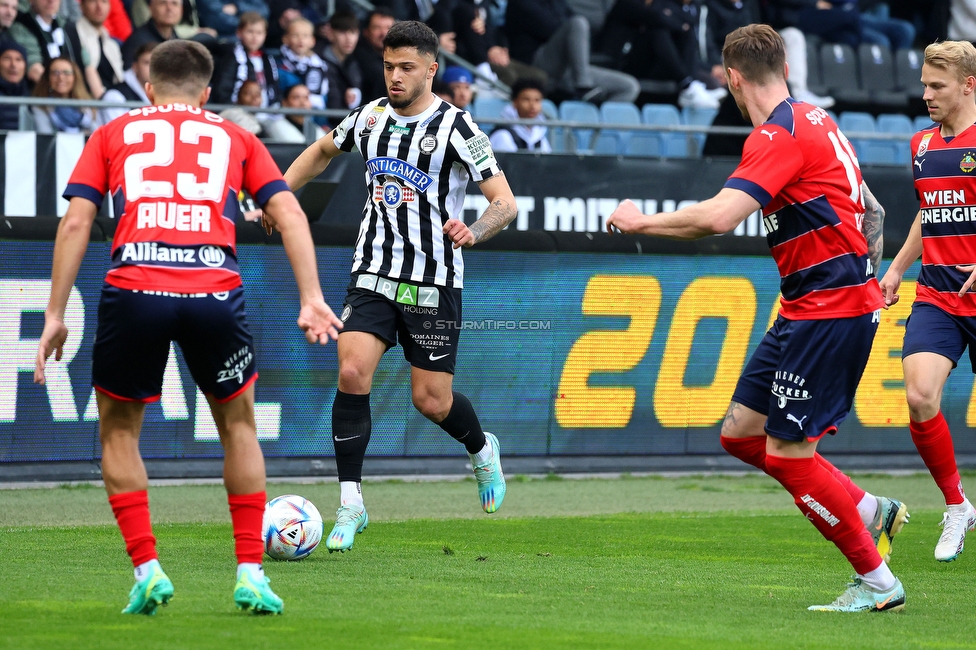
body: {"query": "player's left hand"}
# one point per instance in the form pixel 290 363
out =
pixel 626 218
pixel 319 322
pixel 971 270
pixel 52 341
pixel 460 234
pixel 267 222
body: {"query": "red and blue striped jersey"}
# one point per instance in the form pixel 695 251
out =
pixel 174 172
pixel 944 173
pixel 804 172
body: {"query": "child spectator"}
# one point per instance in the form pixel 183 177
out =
pixel 300 65
pixel 132 88
pixel 345 75
pixel 526 105
pixel 244 60
pixel 459 79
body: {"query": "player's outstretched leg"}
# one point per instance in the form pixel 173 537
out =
pixel 828 506
pixel 462 424
pixel 351 428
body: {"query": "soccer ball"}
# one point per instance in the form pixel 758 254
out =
pixel 292 527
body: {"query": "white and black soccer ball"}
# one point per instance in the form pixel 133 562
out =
pixel 292 527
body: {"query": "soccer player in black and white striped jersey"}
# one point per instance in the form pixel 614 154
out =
pixel 407 272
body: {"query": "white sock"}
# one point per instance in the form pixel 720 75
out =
pixel 351 493
pixel 484 455
pixel 881 579
pixel 868 508
pixel 144 569
pixel 251 567
pixel 964 506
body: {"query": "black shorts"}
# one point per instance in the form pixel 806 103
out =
pixel 425 319
pixel 135 329
pixel 804 373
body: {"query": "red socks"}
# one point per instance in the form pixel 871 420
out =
pixel 750 450
pixel 845 481
pixel 247 513
pixel 934 444
pixel 132 512
pixel 828 506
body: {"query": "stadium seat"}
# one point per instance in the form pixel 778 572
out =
pixel 839 65
pixel 868 151
pixel 878 76
pixel 574 111
pixel 897 123
pixel 555 136
pixel 614 141
pixel 488 108
pixel 814 74
pixel 922 122
pixel 908 72
pixel 698 117
pixel 663 144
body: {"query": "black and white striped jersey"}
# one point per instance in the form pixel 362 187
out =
pixel 417 169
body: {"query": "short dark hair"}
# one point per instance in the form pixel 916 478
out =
pixel 526 83
pixel 382 12
pixel 144 49
pixel 181 68
pixel 249 18
pixel 412 33
pixel 757 52
pixel 344 21
pixel 287 92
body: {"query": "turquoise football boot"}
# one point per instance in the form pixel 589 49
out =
pixel 150 592
pixel 252 592
pixel 491 481
pixel 350 519
pixel 861 598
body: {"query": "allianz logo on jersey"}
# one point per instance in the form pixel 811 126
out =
pixel 135 252
pixel 400 169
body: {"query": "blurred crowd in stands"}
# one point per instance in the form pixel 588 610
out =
pixel 328 53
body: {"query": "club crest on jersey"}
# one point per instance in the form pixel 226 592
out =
pixel 427 144
pixel 788 387
pixel 968 162
pixel 393 195
pixel 923 146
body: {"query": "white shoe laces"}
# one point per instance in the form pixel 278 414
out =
pixel 346 515
pixel 954 526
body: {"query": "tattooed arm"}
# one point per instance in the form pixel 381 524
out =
pixel 500 212
pixel 873 226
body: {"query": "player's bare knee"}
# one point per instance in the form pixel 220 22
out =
pixel 432 406
pixel 354 379
pixel 923 401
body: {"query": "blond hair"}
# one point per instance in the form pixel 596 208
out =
pixel 959 56
pixel 757 52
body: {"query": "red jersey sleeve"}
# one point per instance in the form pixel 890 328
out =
pixel 262 178
pixel 89 180
pixel 771 159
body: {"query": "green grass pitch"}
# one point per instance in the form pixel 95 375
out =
pixel 690 562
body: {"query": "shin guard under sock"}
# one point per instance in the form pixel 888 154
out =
pixel 463 425
pixel 827 505
pixel 351 427
pixel 246 514
pixel 845 481
pixel 934 443
pixel 132 512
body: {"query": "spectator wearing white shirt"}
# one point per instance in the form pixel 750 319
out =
pixel 132 88
pixel 526 105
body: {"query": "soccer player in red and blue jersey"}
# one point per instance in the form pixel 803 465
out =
pixel 174 171
pixel 799 384
pixel 943 319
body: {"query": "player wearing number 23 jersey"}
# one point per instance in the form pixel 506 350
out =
pixel 174 173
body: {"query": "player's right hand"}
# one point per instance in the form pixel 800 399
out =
pixel 889 287
pixel 319 322
pixel 52 341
